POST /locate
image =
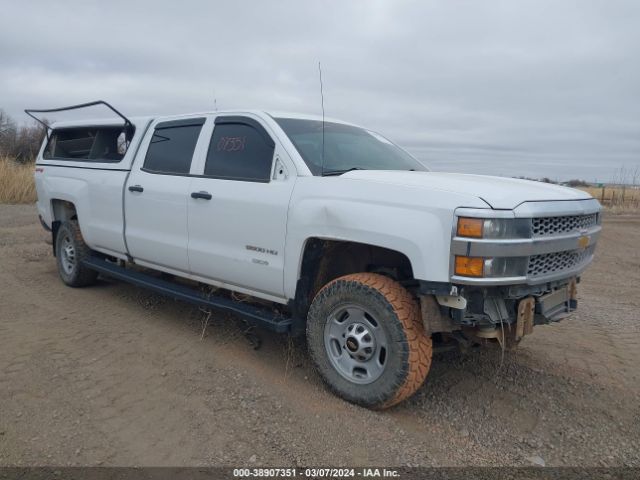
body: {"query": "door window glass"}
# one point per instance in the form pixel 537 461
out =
pixel 239 151
pixel 171 148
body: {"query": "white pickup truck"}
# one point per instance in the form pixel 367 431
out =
pixel 329 228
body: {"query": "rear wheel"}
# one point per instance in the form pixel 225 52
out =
pixel 70 252
pixel 367 340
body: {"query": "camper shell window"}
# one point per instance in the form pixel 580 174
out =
pixel 92 144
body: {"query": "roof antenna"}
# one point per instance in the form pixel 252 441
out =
pixel 322 103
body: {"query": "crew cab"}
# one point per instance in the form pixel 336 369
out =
pixel 326 227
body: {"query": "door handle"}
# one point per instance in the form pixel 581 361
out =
pixel 136 188
pixel 202 195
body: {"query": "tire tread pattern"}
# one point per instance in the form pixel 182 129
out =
pixel 85 276
pixel 407 310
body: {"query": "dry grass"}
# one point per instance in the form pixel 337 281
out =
pixel 616 199
pixel 16 182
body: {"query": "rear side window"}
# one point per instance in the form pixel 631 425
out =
pixel 172 146
pixel 240 151
pixel 92 144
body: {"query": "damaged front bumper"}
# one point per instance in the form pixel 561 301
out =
pixel 551 307
pixel 488 311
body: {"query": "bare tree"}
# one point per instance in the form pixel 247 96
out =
pixel 7 128
pixel 20 143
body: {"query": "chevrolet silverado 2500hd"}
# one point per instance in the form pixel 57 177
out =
pixel 329 228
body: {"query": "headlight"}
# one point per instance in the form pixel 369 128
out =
pixel 493 227
pixel 505 266
pixel 490 267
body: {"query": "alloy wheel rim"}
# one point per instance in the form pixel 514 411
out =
pixel 356 344
pixel 68 255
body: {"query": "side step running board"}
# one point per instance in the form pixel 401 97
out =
pixel 257 316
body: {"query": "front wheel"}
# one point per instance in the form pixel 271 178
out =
pixel 70 252
pixel 367 340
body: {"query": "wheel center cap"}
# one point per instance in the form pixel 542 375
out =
pixel 359 342
pixel 352 344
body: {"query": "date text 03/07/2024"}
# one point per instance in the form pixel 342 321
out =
pixel 315 473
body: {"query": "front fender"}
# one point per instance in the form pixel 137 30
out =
pixel 406 219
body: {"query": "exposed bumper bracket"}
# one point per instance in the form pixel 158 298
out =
pixel 524 322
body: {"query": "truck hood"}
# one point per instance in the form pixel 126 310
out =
pixel 497 192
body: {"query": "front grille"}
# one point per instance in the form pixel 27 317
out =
pixel 546 226
pixel 557 262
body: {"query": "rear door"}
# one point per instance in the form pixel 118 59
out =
pixel 156 196
pixel 238 208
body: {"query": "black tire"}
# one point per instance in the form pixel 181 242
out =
pixel 408 350
pixel 70 252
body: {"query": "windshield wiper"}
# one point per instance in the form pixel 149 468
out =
pixel 328 173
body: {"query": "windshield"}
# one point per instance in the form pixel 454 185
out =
pixel 345 148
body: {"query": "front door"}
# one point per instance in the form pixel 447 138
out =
pixel 238 208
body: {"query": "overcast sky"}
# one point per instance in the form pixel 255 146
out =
pixel 539 88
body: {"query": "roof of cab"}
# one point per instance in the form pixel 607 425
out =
pixel 306 116
pixel 143 120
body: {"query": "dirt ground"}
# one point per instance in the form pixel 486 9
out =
pixel 115 375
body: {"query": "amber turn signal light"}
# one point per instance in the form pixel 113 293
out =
pixel 470 227
pixel 469 266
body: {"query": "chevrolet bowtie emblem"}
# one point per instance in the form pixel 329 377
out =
pixel 583 242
